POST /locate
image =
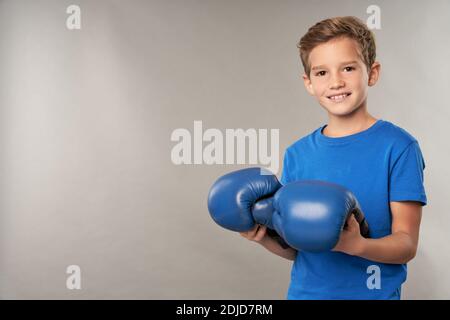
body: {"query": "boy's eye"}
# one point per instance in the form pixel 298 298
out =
pixel 322 73
pixel 349 68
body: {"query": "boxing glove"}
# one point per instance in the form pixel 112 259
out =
pixel 310 215
pixel 238 200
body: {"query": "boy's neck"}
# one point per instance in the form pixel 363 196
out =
pixel 345 126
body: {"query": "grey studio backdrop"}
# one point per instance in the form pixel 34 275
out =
pixel 86 117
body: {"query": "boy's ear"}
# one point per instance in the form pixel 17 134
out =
pixel 308 84
pixel 374 73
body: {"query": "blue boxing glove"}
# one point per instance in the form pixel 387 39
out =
pixel 310 215
pixel 240 199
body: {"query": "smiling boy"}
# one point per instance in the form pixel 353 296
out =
pixel 379 162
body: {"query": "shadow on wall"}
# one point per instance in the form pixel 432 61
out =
pixel 422 279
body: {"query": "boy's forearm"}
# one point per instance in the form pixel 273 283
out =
pixel 397 248
pixel 273 246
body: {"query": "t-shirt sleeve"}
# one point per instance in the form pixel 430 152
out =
pixel 285 178
pixel 406 178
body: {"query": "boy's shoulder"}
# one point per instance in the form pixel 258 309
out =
pixel 391 133
pixel 396 135
pixel 305 140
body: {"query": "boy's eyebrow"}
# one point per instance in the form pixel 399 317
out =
pixel 323 66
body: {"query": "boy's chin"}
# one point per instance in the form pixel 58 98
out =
pixel 340 111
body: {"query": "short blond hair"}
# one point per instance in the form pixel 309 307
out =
pixel 337 27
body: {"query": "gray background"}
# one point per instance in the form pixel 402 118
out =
pixel 85 124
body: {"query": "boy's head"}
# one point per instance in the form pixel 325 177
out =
pixel 338 57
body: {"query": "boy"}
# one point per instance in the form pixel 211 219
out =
pixel 379 162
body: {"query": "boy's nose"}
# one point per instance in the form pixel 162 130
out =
pixel 336 83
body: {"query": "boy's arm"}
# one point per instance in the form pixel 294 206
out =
pixel 259 235
pixel 398 247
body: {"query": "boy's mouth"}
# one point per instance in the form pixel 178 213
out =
pixel 339 97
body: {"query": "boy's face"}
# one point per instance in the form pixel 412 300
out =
pixel 339 78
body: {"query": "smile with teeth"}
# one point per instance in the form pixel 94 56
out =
pixel 339 97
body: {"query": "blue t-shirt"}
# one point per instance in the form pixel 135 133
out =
pixel 379 165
